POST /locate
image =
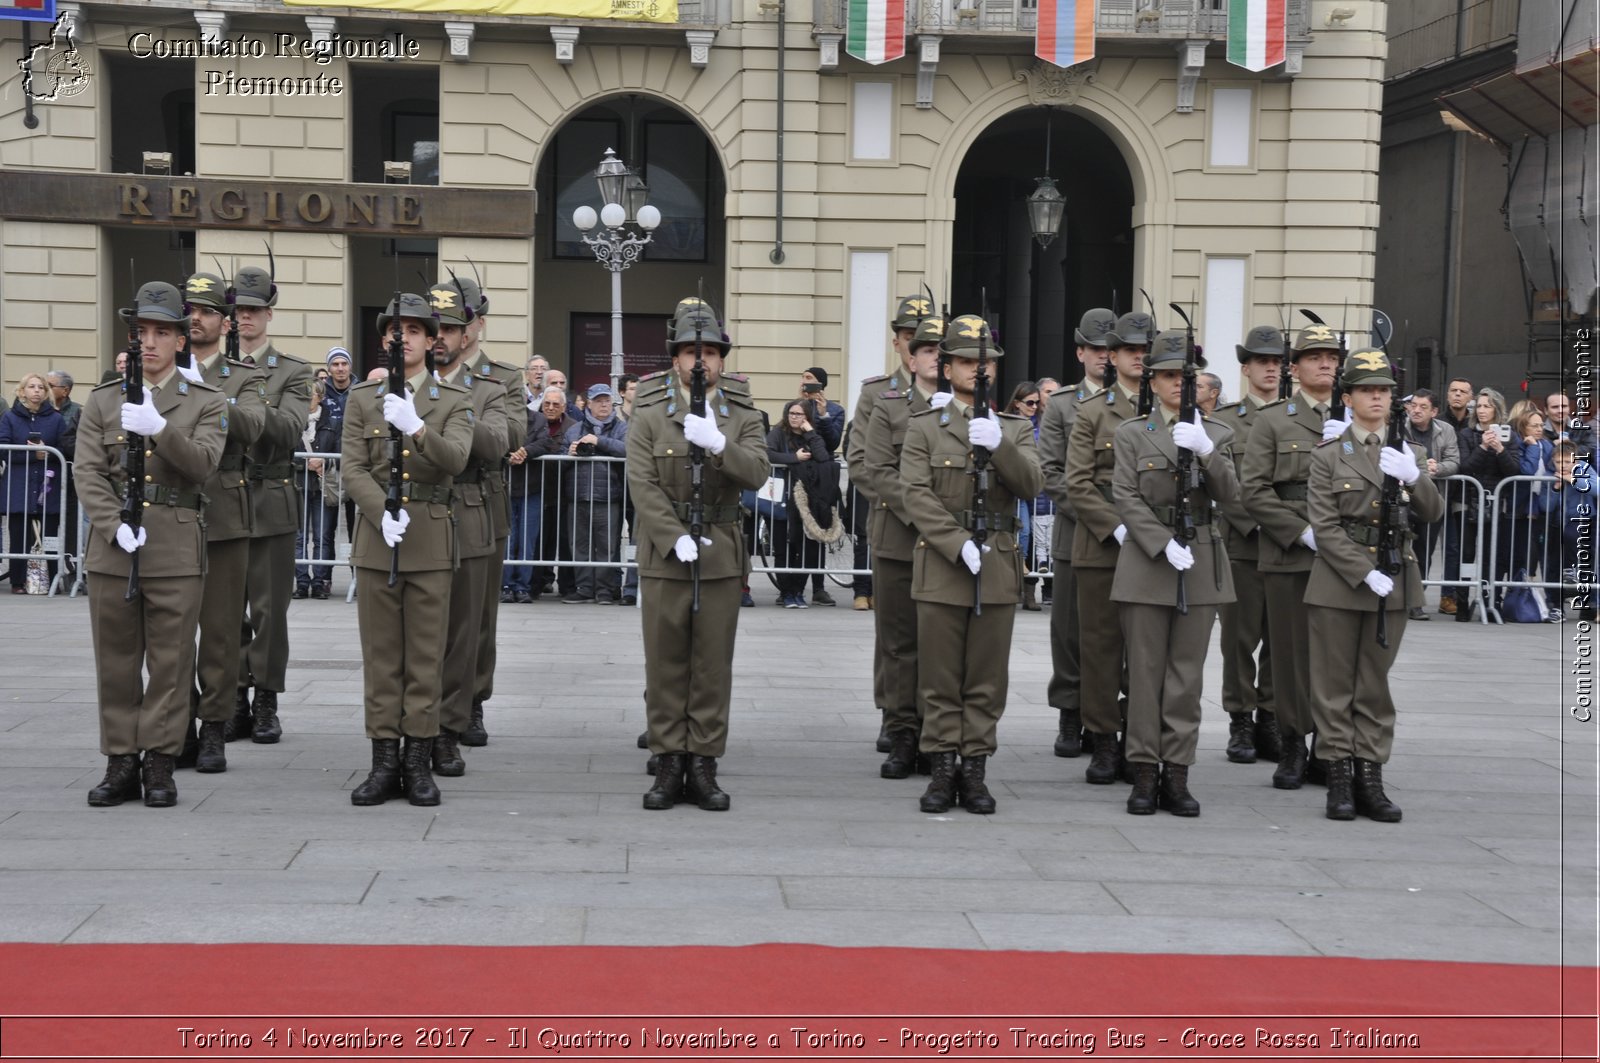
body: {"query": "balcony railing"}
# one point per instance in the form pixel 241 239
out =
pixel 1114 19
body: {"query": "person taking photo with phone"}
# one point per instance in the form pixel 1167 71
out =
pixel 1490 452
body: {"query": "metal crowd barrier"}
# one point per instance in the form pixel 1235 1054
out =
pixel 1526 539
pixel 1457 541
pixel 33 528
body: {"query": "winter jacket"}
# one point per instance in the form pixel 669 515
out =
pixel 543 438
pixel 1485 466
pixel 25 472
pixel 596 481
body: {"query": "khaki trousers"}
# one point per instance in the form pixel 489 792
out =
pixel 1166 664
pixel 155 631
pixel 688 663
pixel 264 638
pixel 221 606
pixel 1064 691
pixel 489 625
pixel 1350 700
pixel 895 662
pixel 963 668
pixel 402 650
pixel 462 643
pixel 1291 648
pixel 1245 684
pixel 1100 652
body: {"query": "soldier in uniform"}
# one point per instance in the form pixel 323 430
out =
pixel 475 507
pixel 893 547
pixel 1350 700
pixel 910 310
pixel 497 497
pixel 1099 536
pixel 184 426
pixel 275 504
pixel 963 653
pixel 1247 686
pixel 229 516
pixel 1166 646
pixel 1272 486
pixel 688 655
pixel 1092 335
pixel 402 652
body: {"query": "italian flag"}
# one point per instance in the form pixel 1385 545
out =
pixel 1257 33
pixel 1065 32
pixel 877 31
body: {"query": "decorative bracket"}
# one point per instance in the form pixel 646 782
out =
pixel 213 26
pixel 72 19
pixel 460 34
pixel 321 28
pixel 927 67
pixel 828 50
pixel 1294 58
pixel 1051 86
pixel 566 40
pixel 700 42
pixel 1191 64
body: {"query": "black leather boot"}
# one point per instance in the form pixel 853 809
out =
pixel 121 782
pixel 1371 801
pixel 383 782
pixel 1124 769
pixel 1291 761
pixel 971 789
pixel 644 740
pixel 885 741
pixel 1341 779
pixel 159 789
pixel 191 747
pixel 652 764
pixel 447 755
pixel 669 782
pixel 1173 794
pixel 1069 736
pixel 1268 745
pixel 941 791
pixel 267 729
pixel 243 720
pixel 1105 762
pixel 702 786
pixel 213 755
pixel 1241 738
pixel 475 735
pixel 902 757
pixel 416 768
pixel 1142 801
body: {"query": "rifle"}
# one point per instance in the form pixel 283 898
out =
pixel 980 455
pixel 943 383
pixel 1188 473
pixel 1394 520
pixel 1147 399
pixel 393 503
pixel 697 455
pixel 133 450
pixel 1285 381
pixel 1108 375
pixel 232 349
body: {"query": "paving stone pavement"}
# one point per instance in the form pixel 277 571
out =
pixel 544 841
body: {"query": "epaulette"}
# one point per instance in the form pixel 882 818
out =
pixel 642 398
pixel 735 384
pixel 1091 393
pixel 924 413
pixel 368 383
pixel 1274 402
pixel 1325 442
pixel 281 359
pixel 653 376
pixel 739 398
pixel 1013 417
pixel 237 363
pixel 198 385
pixel 480 378
pixel 892 394
pixel 875 379
pixel 454 387
pixel 502 366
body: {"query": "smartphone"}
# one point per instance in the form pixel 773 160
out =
pixel 811 389
pixel 35 439
pixel 1504 432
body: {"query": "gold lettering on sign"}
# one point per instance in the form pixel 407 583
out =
pixel 407 209
pixel 223 210
pixel 274 206
pixel 183 201
pixel 314 207
pixel 133 200
pixel 364 204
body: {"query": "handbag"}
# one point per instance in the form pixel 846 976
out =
pixel 1522 605
pixel 38 581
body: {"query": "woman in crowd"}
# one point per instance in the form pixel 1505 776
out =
pixel 797 447
pixel 1033 518
pixel 34 483
pixel 1490 451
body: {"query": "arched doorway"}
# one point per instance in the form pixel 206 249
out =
pixel 1036 295
pixel 572 291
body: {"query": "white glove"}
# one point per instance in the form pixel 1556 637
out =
pixel 394 528
pixel 984 432
pixel 1179 557
pixel 1308 540
pixel 971 557
pixel 703 432
pixel 1192 437
pixel 686 549
pixel 940 399
pixel 401 411
pixel 128 539
pixel 1332 429
pixel 1381 585
pixel 1120 534
pixel 191 372
pixel 141 417
pixel 1401 464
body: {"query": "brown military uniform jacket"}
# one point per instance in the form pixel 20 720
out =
pixel 1346 500
pixel 180 459
pixel 516 434
pixel 430 466
pixel 659 477
pixel 1277 463
pixel 475 501
pixel 1243 532
pixel 1054 430
pixel 1090 463
pixel 937 487
pixel 889 530
pixel 229 513
pixel 1145 489
pixel 274 492
pixel 855 453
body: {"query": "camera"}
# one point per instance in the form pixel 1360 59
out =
pixel 585 450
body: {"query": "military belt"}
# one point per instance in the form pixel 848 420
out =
pixel 282 470
pixel 1169 514
pixel 494 478
pixel 231 463
pixel 1369 534
pixel 1000 522
pixel 417 491
pixel 710 514
pixel 1291 490
pixel 161 495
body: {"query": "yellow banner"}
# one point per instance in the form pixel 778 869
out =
pixel 625 10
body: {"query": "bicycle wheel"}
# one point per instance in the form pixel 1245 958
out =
pixel 764 544
pixel 841 555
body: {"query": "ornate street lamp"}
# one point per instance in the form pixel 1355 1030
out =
pixel 622 193
pixel 1046 204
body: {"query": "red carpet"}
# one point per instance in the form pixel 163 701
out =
pixel 127 1001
